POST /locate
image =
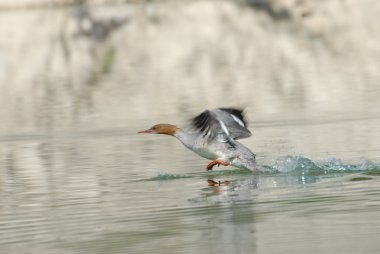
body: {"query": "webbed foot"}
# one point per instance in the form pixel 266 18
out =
pixel 216 162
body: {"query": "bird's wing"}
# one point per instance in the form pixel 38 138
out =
pixel 221 123
pixel 234 121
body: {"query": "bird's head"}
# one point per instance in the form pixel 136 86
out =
pixel 162 128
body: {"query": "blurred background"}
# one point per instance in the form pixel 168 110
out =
pixel 84 65
pixel 78 79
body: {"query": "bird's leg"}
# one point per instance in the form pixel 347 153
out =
pixel 216 162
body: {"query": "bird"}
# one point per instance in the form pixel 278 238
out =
pixel 213 135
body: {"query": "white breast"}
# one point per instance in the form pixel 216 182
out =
pixel 206 153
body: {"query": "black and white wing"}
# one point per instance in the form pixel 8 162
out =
pixel 223 123
pixel 234 121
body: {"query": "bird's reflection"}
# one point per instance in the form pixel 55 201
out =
pixel 233 185
pixel 217 183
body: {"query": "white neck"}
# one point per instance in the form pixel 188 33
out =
pixel 188 139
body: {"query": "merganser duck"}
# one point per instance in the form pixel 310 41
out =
pixel 213 136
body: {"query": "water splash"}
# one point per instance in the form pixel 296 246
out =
pixel 370 168
pixel 294 164
pixel 298 168
pixel 300 164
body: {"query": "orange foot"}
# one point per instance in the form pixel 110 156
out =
pixel 216 162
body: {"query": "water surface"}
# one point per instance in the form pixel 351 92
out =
pixel 114 191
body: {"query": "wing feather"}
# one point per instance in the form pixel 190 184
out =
pixel 225 123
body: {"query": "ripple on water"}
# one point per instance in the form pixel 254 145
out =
pixel 166 176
